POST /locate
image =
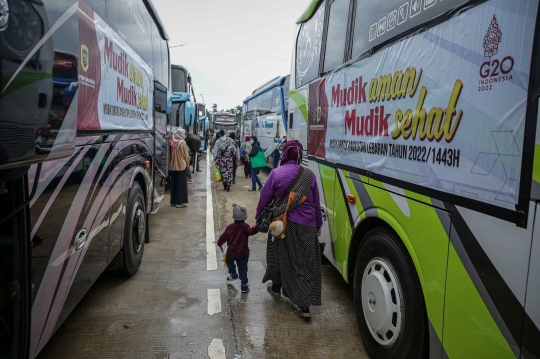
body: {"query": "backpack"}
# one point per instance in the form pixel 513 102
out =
pixel 243 152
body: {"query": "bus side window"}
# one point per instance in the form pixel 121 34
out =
pixel 308 48
pixel 156 53
pixel 119 14
pixel 336 34
pixel 165 67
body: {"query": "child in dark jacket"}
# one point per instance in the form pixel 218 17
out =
pixel 236 236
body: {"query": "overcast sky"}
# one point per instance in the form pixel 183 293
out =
pixel 233 46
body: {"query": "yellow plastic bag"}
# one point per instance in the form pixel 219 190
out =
pixel 217 175
pixel 225 259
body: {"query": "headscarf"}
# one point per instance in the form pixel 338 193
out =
pixel 247 138
pixel 178 137
pixel 292 152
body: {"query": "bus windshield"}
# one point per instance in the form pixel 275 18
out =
pixel 178 116
pixel 225 118
pixel 179 80
pixel 218 127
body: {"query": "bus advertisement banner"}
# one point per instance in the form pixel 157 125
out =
pixel 444 109
pixel 115 84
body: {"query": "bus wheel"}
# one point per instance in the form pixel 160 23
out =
pixel 135 230
pixel 388 298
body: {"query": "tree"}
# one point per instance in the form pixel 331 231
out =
pixel 214 107
pixel 239 114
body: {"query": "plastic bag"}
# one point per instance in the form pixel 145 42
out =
pixel 217 175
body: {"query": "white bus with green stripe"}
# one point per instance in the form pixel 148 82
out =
pixel 420 120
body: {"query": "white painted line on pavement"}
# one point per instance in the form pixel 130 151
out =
pixel 211 259
pixel 216 350
pixel 214 301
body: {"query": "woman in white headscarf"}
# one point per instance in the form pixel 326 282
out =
pixel 179 169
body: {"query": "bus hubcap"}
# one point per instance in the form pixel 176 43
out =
pixel 382 302
pixel 139 227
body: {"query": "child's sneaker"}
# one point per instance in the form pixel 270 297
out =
pixel 244 287
pixel 232 277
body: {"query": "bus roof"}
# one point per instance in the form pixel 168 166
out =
pixel 153 12
pixel 310 11
pixel 278 81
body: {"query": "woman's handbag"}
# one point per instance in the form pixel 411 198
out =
pixel 259 160
pixel 217 175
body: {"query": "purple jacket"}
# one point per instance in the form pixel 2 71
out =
pixel 306 214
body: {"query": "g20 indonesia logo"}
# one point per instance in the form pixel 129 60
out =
pixel 85 61
pixel 494 70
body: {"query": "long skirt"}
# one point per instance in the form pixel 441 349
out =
pixel 179 191
pixel 225 164
pixel 295 264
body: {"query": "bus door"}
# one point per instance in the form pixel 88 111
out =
pixel 161 146
pixel 15 289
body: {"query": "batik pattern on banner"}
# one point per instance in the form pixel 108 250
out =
pixel 444 109
pixel 115 84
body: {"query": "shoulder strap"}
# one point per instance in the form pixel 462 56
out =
pixel 285 194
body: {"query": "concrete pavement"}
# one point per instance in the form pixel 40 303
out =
pixel 174 307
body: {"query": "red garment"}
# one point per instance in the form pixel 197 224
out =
pixel 236 235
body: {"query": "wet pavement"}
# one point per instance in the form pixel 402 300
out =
pixel 174 307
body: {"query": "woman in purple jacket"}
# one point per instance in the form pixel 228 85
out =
pixel 294 262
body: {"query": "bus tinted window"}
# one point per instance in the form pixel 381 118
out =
pixel 308 48
pixel 165 63
pixel 156 53
pixel 178 115
pixel 179 80
pixel 377 21
pixel 276 100
pixel 119 16
pixel 142 33
pixel 266 100
pixel 337 33
pixel 286 91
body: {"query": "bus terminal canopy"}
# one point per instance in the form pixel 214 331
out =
pixel 310 11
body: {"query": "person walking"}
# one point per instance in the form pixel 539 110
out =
pixel 294 259
pixel 276 156
pixel 214 139
pixel 255 180
pixel 245 150
pixel 179 169
pixel 232 135
pixel 224 156
pixel 236 235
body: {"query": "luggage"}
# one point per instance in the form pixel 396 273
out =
pixel 218 177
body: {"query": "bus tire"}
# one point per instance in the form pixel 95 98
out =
pixel 135 230
pixel 388 298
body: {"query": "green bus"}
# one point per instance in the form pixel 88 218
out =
pixel 419 119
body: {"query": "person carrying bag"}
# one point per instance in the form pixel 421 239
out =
pixel 257 161
pixel 273 218
pixel 293 252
